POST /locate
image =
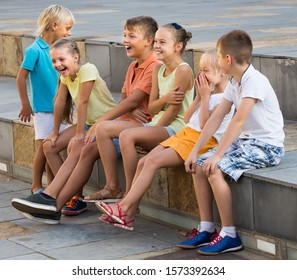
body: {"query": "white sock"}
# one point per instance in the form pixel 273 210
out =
pixel 206 226
pixel 230 231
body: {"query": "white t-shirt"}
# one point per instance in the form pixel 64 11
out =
pixel 265 121
pixel 214 100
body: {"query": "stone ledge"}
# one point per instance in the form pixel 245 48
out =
pixel 112 62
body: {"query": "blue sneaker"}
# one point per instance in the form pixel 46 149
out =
pixel 221 245
pixel 197 239
pixel 74 207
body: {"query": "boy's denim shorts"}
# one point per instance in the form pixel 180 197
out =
pixel 244 155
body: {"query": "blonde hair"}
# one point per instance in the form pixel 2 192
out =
pixel 212 58
pixel 53 13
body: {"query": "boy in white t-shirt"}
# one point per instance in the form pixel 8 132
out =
pixel 253 139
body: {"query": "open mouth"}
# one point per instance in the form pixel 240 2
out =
pixel 62 69
pixel 128 48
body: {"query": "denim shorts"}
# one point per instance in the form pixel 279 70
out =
pixel 244 155
pixel 115 141
pixel 169 130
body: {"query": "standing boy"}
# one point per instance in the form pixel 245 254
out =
pixel 253 139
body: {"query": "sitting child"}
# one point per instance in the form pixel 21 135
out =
pixel 253 139
pixel 210 84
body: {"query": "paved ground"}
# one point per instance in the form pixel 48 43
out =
pixel 271 23
pixel 85 238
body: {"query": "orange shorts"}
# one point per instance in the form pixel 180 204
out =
pixel 184 141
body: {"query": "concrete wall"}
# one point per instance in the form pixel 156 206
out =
pixel 112 63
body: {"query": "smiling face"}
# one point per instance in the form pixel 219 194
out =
pixel 62 29
pixel 64 62
pixel 165 45
pixel 135 42
pixel 207 68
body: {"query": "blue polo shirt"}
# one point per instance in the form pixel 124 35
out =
pixel 43 77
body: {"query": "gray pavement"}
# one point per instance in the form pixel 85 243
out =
pixel 84 237
pixel 271 23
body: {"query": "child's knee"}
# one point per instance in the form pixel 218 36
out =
pixel 101 128
pixel 216 175
pixel 47 147
pixel 125 139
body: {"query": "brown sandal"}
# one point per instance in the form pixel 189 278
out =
pixel 114 195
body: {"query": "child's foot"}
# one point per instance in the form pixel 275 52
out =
pixel 106 194
pixel 39 203
pixel 36 190
pixel 220 245
pixel 74 207
pixel 108 220
pixel 197 239
pixel 115 212
pixel 52 219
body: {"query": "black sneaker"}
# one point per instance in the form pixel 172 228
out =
pixel 52 219
pixel 74 207
pixel 39 203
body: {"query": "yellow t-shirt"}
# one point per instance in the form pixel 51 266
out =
pixel 100 101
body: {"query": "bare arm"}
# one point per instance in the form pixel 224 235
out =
pixel 174 99
pixel 26 109
pixel 232 131
pixel 234 128
pixel 203 92
pixel 126 105
pixel 60 102
pixel 155 102
pixel 204 89
pixel 192 108
pixel 209 129
pixel 85 90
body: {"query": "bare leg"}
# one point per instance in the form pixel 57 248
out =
pixel 165 158
pixel 66 170
pixel 52 153
pixel 204 195
pixel 49 174
pixel 105 132
pixel 38 167
pixel 141 162
pixel 223 197
pixel 147 138
pixel 80 175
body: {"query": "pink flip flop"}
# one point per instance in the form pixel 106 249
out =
pixel 106 219
pixel 126 225
pixel 112 219
pixel 106 209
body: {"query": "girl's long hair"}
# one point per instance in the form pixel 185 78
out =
pixel 72 47
pixel 68 109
